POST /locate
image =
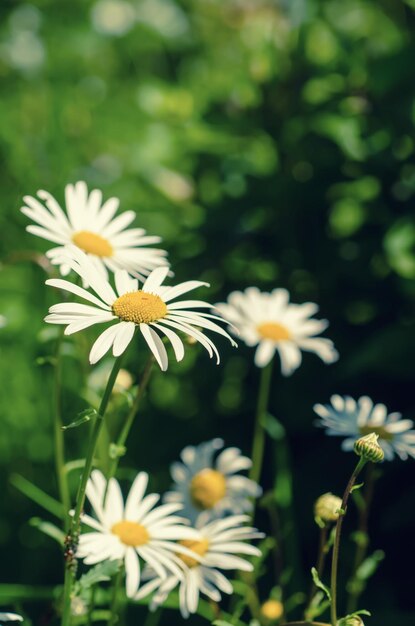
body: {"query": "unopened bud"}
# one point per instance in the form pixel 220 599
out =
pixel 353 620
pixel 368 448
pixel 327 507
pixel 272 610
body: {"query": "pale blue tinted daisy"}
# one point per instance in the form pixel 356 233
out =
pixel 220 543
pixel 211 487
pixel 93 226
pixel 271 323
pixel 346 417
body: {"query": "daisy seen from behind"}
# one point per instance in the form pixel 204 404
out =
pixel 220 544
pixel 346 417
pixel 92 226
pixel 135 531
pixel 150 309
pixel 273 324
pixel 211 487
pixel 10 617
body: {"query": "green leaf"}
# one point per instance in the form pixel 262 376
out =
pixel 370 565
pixel 100 573
pixel 48 529
pixel 37 495
pixel 221 622
pixel 83 417
pixel 356 487
pixel 319 584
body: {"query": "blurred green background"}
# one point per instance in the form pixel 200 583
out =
pixel 269 143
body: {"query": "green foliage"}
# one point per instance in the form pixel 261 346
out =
pixel 268 143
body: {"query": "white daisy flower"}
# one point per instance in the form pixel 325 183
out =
pixel 134 531
pixel 269 321
pixel 150 309
pixel 10 617
pixel 90 225
pixel 346 417
pixel 209 487
pixel 220 543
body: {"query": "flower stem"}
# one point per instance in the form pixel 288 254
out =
pixel 113 619
pixel 80 498
pixel 336 546
pixel 59 446
pixel 363 539
pixel 122 437
pixel 259 432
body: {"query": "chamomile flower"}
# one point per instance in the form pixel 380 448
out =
pixel 346 417
pixel 10 617
pixel 271 322
pixel 209 487
pixel 91 225
pixel 134 531
pixel 220 543
pixel 149 308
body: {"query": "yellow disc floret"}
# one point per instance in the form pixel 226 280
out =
pixel 92 243
pixel 207 488
pixel 139 307
pixel 272 610
pixel 273 331
pixel 199 547
pixel 131 533
pixel 378 430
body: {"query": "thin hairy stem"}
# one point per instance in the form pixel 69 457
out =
pixel 336 546
pixel 80 498
pixel 59 446
pixel 320 562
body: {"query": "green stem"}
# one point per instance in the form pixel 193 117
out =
pixel 61 475
pixel 113 619
pixel 259 432
pixel 80 498
pixel 122 437
pixel 336 546
pixel 363 539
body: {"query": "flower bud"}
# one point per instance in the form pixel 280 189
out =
pixel 327 507
pixel 352 620
pixel 272 610
pixel 368 448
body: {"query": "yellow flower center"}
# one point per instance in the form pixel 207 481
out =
pixel 273 331
pixel 139 307
pixel 378 430
pixel 131 533
pixel 92 243
pixel 200 547
pixel 272 610
pixel 207 488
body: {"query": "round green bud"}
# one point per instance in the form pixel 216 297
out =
pixel 327 507
pixel 368 448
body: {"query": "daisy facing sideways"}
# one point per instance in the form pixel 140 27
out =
pixel 209 487
pixel 135 531
pixel 219 546
pixel 346 417
pixel 271 322
pixel 91 225
pixel 150 309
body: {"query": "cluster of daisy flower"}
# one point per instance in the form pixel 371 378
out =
pixel 201 529
pixel 186 551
